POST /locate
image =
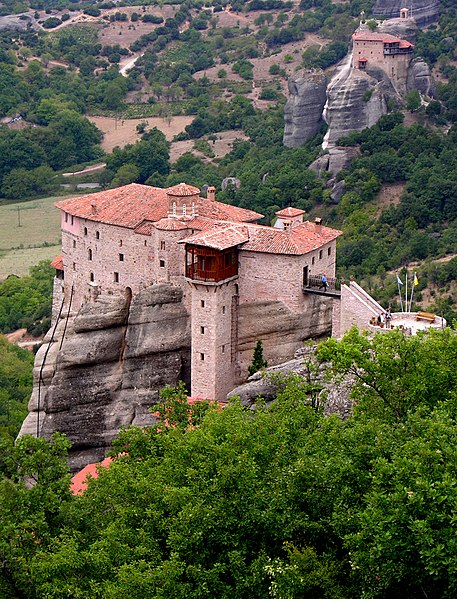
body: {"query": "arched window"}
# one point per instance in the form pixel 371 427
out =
pixel 174 208
pixel 89 254
pixel 184 210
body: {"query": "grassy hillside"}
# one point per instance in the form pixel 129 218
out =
pixel 38 237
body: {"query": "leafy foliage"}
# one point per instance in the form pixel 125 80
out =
pixel 26 301
pixel 277 502
pixel 15 386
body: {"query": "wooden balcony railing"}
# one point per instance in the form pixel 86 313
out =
pixel 219 274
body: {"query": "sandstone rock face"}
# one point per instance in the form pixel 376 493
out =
pixel 335 395
pixel 355 102
pixel 303 110
pixel 104 368
pixel 282 331
pixel 420 78
pixel 335 160
pixel 406 29
pixel 423 11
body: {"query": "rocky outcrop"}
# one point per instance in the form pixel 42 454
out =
pixel 334 394
pixel 104 367
pixel 423 11
pixel 303 110
pixel 420 78
pixel 357 96
pixel 281 330
pixel 335 160
pixel 354 103
pixel 406 29
pixel 22 22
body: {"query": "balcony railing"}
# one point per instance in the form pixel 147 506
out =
pixel 220 274
pixel 314 284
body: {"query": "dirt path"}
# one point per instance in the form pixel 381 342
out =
pixel 86 171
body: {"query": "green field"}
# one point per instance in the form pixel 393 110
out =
pixel 37 238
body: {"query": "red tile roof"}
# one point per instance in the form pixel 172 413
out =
pixel 170 224
pixel 132 205
pixel 79 481
pixel 220 237
pixel 289 212
pixel 57 263
pixel 300 240
pixel 182 190
pixel 386 38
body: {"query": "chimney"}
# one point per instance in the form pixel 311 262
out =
pixel 93 207
pixel 211 193
pixel 318 225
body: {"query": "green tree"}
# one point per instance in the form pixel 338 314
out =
pixel 257 361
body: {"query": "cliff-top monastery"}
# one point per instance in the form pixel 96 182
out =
pixel 233 272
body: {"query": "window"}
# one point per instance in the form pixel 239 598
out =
pixel 145 243
pixel 74 243
pixel 74 265
pixel 97 234
pixel 120 243
pixel 85 230
pixel 202 303
pixel 89 254
pixel 223 309
pixel 313 260
pixel 320 254
pixel 329 251
pixel 184 210
pixel 202 357
pixel 92 277
pixel 223 349
pixel 121 257
pixel 174 208
pixel 116 277
pixel 162 263
pixel 162 245
pixel 202 330
pixel 72 220
pixel 66 217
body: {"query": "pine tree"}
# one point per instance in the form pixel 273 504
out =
pixel 257 361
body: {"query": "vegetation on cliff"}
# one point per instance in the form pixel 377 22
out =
pixel 276 502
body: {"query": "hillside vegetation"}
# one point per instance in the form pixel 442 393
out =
pixel 277 502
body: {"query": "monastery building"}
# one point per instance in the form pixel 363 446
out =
pixel 241 281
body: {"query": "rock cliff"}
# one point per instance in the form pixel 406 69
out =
pixel 423 11
pixel 334 394
pixel 355 98
pixel 354 103
pixel 104 367
pixel 303 111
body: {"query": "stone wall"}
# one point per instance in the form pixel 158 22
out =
pixel 119 258
pixel 357 308
pixel 214 339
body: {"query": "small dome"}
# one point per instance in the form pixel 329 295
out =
pixel 182 190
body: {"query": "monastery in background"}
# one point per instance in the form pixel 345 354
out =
pixel 232 271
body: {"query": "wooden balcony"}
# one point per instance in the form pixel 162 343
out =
pixel 209 265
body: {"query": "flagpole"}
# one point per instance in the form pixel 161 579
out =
pixel 406 291
pixel 412 293
pixel 399 292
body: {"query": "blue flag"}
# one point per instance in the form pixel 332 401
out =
pixel 399 281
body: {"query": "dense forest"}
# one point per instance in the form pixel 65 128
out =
pixel 277 502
